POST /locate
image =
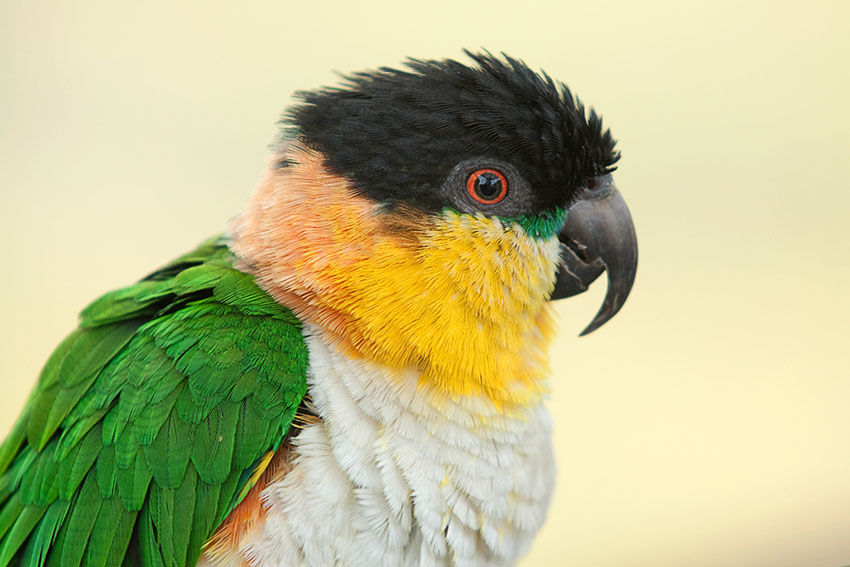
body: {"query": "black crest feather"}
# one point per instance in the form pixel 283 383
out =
pixel 397 133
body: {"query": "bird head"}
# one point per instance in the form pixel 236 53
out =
pixel 425 217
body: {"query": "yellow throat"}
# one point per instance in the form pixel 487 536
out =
pixel 462 298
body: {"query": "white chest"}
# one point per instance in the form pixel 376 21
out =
pixel 394 475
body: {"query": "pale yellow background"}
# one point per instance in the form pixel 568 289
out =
pixel 708 424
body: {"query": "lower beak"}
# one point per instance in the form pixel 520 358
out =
pixel 598 236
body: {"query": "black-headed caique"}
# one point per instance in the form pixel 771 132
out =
pixel 355 373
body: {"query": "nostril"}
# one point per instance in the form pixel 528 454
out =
pixel 597 187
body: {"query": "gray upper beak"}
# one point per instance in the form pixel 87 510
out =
pixel 598 236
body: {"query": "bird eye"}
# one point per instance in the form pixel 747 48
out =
pixel 487 186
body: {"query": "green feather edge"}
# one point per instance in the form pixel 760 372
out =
pixel 148 421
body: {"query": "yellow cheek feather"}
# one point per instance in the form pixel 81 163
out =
pixel 462 298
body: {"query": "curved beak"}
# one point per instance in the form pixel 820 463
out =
pixel 598 236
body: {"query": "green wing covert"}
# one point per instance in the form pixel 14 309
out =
pixel 148 421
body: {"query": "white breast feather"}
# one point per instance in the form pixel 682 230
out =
pixel 398 475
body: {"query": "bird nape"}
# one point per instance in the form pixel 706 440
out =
pixel 354 374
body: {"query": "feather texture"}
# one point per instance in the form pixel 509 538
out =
pixel 147 423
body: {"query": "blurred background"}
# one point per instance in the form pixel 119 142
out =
pixel 706 425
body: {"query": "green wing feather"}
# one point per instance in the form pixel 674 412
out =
pixel 149 420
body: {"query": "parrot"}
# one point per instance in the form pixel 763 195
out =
pixel 354 372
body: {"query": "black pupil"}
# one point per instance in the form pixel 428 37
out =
pixel 488 186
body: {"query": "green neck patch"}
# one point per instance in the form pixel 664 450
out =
pixel 541 226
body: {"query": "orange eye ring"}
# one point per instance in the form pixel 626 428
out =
pixel 487 186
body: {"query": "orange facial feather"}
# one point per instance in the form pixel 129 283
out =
pixel 463 298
